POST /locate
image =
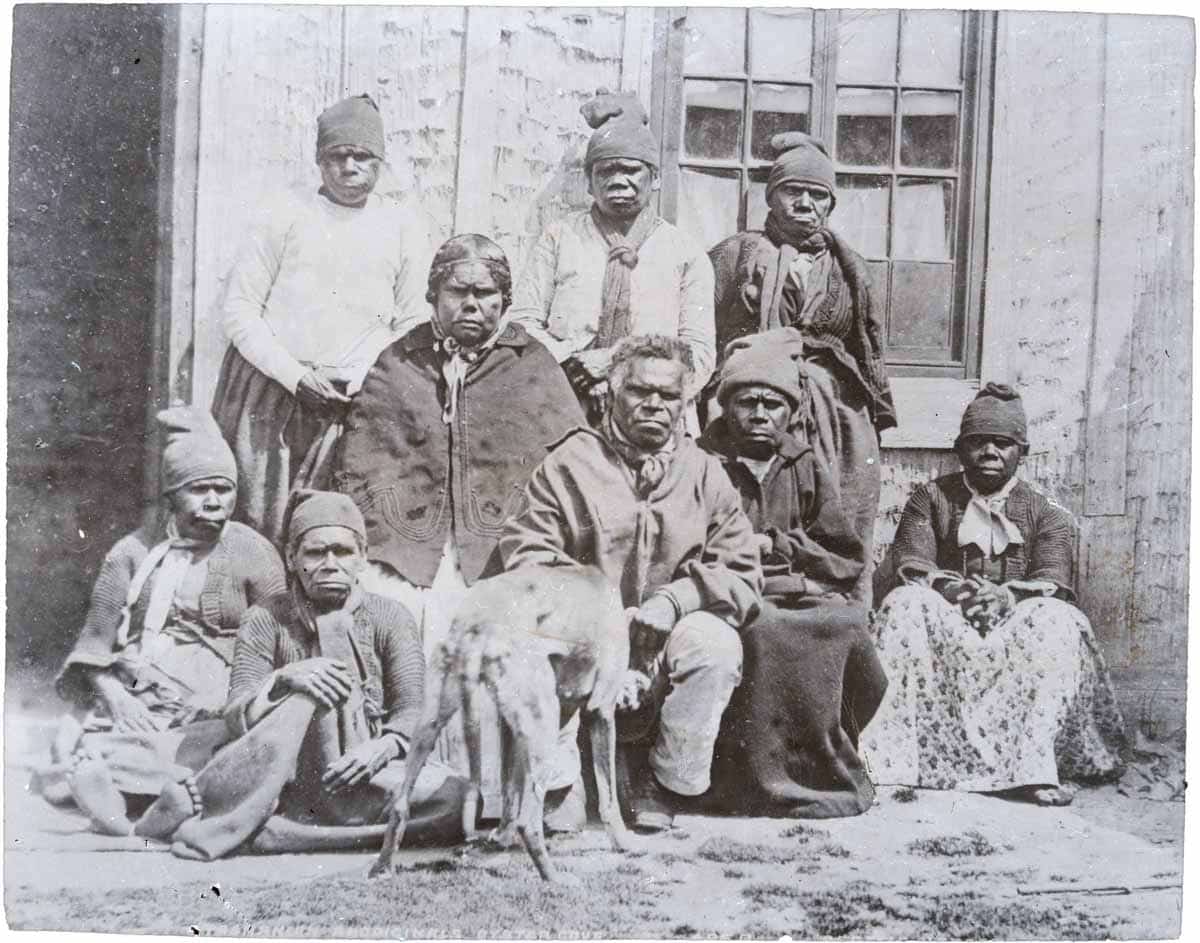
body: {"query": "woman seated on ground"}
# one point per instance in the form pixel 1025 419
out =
pixel 150 671
pixel 811 679
pixel 326 692
pixel 997 683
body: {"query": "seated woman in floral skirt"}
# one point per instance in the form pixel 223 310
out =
pixel 996 681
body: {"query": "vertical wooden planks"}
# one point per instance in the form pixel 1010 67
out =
pixel 267 73
pixel 409 59
pixel 551 61
pixel 480 79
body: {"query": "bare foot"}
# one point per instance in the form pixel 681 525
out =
pixel 177 803
pixel 97 796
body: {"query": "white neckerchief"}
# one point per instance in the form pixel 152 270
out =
pixel 456 361
pixel 171 560
pixel 984 523
pixel 759 468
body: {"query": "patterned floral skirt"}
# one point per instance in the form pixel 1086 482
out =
pixel 1027 703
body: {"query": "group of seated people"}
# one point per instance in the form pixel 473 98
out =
pixel 251 672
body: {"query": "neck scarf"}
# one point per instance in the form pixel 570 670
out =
pixel 170 559
pixel 649 466
pixel 456 362
pixel 616 317
pixel 776 276
pixel 984 523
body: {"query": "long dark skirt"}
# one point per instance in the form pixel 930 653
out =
pixel 789 741
pixel 270 434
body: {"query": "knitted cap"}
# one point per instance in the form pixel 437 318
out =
pixel 352 121
pixel 995 410
pixel 772 358
pixel 800 158
pixel 622 129
pixel 309 509
pixel 194 448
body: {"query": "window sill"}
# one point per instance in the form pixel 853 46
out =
pixel 929 409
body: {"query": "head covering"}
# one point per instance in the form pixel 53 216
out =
pixel 800 158
pixel 995 410
pixel 194 448
pixel 772 358
pixel 353 121
pixel 622 129
pixel 308 509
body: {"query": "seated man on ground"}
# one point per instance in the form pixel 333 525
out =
pixel 150 671
pixel 327 689
pixel 997 682
pixel 658 516
pixel 812 679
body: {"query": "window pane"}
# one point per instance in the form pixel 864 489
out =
pixel 929 129
pixel 861 213
pixel 920 315
pixel 713 119
pixel 781 42
pixel 756 200
pixel 708 203
pixel 867 45
pixel 864 126
pixel 924 219
pixel 715 40
pixel 777 108
pixel 931 47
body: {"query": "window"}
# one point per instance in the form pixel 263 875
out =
pixel 899 97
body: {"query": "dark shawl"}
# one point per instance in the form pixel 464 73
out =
pixel 417 479
pixel 751 274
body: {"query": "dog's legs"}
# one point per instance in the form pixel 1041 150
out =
pixel 441 703
pixel 532 716
pixel 604 763
pixel 512 766
pixel 470 705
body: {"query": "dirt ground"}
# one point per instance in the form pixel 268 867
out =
pixel 919 864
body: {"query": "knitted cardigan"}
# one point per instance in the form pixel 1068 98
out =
pixel 927 538
pixel 243 569
pixel 387 648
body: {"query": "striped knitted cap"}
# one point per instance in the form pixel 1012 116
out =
pixel 995 410
pixel 310 509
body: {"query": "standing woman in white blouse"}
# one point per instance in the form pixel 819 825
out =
pixel 323 283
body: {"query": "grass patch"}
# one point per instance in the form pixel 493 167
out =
pixel 805 833
pixel 833 850
pixel 967 917
pixel 417 903
pixel 733 874
pixel 905 794
pixel 766 894
pixel 731 851
pixel 970 844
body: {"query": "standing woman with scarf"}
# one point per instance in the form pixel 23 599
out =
pixel 150 671
pixel 618 268
pixel 996 682
pixel 438 445
pixel 797 274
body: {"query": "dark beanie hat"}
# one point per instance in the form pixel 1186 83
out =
pixel 309 509
pixel 800 158
pixel 995 410
pixel 194 448
pixel 354 122
pixel 622 129
pixel 772 358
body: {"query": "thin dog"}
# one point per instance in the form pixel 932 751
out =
pixel 542 641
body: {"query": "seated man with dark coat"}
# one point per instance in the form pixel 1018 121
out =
pixel 326 692
pixel 811 680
